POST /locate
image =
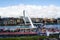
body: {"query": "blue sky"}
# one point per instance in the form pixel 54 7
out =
pixel 4 3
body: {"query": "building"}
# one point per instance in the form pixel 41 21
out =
pixel 20 21
pixel 58 20
pixel 49 21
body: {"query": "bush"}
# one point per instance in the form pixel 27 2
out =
pixel 27 38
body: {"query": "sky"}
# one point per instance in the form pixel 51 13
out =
pixel 4 3
pixel 35 8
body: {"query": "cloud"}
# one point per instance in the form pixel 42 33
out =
pixel 50 11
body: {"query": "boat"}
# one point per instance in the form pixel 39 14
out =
pixel 25 29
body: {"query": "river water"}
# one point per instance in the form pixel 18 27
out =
pixel 53 26
pixel 14 27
